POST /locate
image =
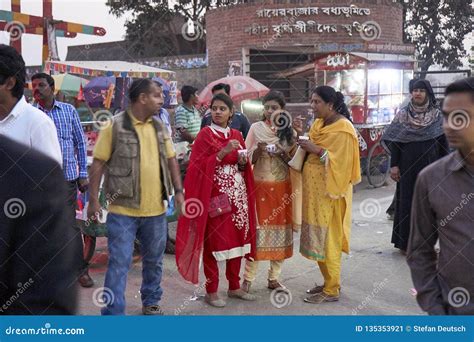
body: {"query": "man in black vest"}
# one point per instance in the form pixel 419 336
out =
pixel 136 154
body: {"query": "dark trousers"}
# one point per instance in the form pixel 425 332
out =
pixel 391 209
pixel 82 265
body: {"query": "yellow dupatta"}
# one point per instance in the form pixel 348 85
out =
pixel 343 162
pixel 327 198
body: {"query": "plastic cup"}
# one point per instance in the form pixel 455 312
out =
pixel 271 148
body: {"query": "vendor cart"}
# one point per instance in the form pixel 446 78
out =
pixel 374 86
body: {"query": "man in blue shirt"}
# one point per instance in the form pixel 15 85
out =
pixel 239 120
pixel 73 148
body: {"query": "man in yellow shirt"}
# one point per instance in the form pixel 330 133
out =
pixel 136 155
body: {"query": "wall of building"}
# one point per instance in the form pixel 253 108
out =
pixel 229 29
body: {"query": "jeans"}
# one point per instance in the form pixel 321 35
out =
pixel 122 230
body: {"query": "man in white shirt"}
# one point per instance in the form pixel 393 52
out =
pixel 19 120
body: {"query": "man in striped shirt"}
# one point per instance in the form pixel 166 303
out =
pixel 73 147
pixel 187 118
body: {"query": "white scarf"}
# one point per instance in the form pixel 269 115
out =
pixel 225 131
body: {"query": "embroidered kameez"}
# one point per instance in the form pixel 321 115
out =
pixel 224 237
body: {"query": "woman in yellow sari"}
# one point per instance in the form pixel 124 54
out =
pixel 271 143
pixel 331 169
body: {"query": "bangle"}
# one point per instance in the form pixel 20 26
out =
pixel 321 152
pixel 323 158
pixel 178 191
pixel 217 158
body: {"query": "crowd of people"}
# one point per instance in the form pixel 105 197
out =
pixel 247 189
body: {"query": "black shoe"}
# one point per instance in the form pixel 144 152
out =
pixel 152 310
pixel 170 247
pixel 85 280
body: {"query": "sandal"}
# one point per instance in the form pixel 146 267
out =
pixel 218 303
pixel 275 284
pixel 321 298
pixel 240 294
pixel 246 285
pixel 317 289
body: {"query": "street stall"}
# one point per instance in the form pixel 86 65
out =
pixel 374 86
pixel 69 85
pixel 104 97
pixel 110 100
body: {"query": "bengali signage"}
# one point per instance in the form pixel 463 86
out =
pixel 340 61
pixel 347 11
pixel 293 21
pixel 409 49
pixel 309 26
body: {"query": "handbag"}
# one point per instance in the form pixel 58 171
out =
pixel 219 205
pixel 298 159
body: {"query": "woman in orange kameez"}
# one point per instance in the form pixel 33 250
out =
pixel 271 143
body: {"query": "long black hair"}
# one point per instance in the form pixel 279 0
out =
pixel 330 95
pixel 283 121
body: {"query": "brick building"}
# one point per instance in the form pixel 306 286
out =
pixel 277 41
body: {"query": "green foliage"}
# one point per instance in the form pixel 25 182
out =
pixel 438 28
pixel 153 29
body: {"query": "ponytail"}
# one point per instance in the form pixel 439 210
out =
pixel 341 107
pixel 330 95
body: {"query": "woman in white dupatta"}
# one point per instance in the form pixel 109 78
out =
pixel 271 144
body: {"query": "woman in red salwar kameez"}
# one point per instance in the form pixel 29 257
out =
pixel 219 211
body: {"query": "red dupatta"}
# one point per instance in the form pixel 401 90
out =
pixel 198 186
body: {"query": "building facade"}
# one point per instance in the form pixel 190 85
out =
pixel 277 41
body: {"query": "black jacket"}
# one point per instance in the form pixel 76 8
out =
pixel 37 267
